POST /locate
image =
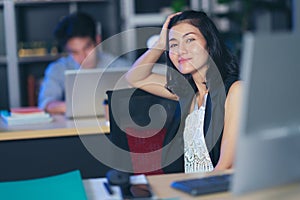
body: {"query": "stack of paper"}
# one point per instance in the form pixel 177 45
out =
pixel 59 187
pixel 26 115
pixel 95 189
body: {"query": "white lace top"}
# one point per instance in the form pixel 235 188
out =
pixel 196 156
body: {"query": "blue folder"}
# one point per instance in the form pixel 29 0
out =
pixel 60 187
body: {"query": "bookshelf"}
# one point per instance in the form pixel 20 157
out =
pixel 27 26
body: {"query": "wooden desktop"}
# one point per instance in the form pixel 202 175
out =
pixel 161 187
pixel 162 190
pixel 59 127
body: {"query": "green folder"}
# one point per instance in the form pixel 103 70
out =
pixel 60 187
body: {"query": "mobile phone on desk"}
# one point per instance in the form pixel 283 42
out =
pixel 137 191
pixel 132 187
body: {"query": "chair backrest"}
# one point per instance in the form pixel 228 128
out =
pixel 142 124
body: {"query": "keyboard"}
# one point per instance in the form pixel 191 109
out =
pixel 201 186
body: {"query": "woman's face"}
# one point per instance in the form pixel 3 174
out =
pixel 187 48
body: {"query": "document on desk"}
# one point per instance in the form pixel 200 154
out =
pixel 95 189
pixel 60 187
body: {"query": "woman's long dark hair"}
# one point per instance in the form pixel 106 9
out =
pixel 225 62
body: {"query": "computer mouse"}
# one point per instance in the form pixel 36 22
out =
pixel 115 177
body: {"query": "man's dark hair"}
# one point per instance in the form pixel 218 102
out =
pixel 75 25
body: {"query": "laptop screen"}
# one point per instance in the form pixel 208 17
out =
pixel 86 90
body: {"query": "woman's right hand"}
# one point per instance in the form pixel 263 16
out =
pixel 162 42
pixel 141 76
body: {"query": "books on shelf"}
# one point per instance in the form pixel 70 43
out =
pixel 26 115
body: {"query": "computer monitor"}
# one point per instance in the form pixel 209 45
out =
pixel 268 146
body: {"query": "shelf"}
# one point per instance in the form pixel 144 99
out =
pixel 46 58
pixel 17 2
pixel 147 19
pixel 21 19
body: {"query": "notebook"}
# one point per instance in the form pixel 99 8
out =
pixel 86 90
pixel 201 186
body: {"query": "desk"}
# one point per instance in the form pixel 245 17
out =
pixel 60 126
pixel 161 187
pixel 32 151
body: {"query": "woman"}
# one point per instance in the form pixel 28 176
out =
pixel 196 55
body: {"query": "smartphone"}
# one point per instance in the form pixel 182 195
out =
pixel 137 191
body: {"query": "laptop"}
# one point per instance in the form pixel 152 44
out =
pixel 86 90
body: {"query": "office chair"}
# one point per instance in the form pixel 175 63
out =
pixel 142 123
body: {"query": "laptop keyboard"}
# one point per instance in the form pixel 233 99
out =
pixel 201 186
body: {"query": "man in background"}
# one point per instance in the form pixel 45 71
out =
pixel 76 33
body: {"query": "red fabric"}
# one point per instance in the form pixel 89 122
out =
pixel 146 150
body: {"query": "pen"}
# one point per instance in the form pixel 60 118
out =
pixel 108 188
